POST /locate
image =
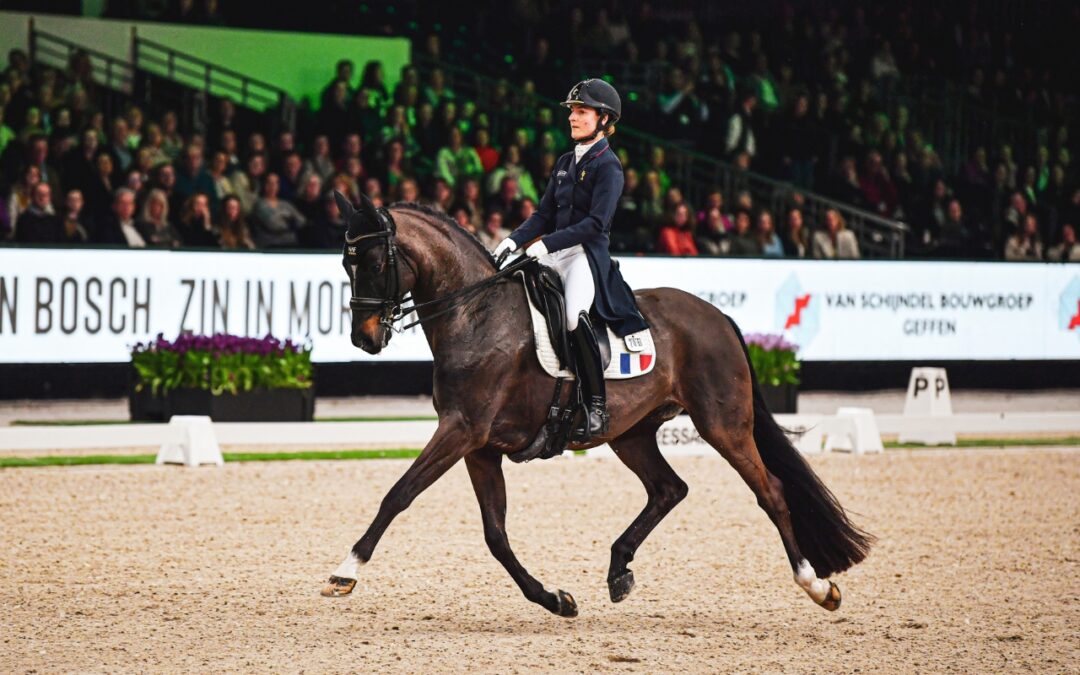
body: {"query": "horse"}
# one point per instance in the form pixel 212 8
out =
pixel 492 398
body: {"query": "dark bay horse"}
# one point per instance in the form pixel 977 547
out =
pixel 492 397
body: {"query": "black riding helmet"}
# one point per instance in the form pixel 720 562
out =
pixel 599 95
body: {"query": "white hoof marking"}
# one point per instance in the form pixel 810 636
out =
pixel 348 567
pixel 806 577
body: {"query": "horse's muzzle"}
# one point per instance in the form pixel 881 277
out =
pixel 370 335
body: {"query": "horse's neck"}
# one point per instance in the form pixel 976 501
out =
pixel 445 262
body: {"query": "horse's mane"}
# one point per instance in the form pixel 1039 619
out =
pixel 439 215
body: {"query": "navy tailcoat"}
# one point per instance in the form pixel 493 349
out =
pixel 577 208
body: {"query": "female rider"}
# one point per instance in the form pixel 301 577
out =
pixel 570 228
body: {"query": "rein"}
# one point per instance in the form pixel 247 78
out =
pixel 392 308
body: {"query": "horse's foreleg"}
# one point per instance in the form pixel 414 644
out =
pixel 638 450
pixel 485 471
pixel 449 444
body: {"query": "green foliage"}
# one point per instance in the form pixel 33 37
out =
pixel 774 358
pixel 222 364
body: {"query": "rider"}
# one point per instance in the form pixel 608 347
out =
pixel 570 228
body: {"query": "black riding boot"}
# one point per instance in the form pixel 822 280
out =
pixel 590 370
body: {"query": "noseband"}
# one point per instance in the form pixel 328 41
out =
pixel 390 306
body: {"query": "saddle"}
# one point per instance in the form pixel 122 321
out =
pixel 545 291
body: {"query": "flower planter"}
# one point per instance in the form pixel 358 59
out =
pixel 781 398
pixel 259 405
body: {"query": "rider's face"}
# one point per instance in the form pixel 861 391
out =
pixel 583 121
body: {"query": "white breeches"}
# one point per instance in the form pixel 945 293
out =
pixel 572 266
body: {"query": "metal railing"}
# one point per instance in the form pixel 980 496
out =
pixel 694 173
pixel 56 52
pixel 212 80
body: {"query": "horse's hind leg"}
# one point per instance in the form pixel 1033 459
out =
pixel 731 433
pixel 638 450
pixel 485 471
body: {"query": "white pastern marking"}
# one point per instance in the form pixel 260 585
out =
pixel 348 567
pixel 806 577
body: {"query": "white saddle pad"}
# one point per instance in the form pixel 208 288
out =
pixel 625 362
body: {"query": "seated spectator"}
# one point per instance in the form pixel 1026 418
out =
pixel 442 196
pixel 247 185
pixel 77 223
pixel 835 242
pixel 796 239
pixel 309 201
pixel 1068 250
pixel 462 215
pixel 1025 245
pixel 878 190
pixel 677 235
pixel 456 161
pixel 740 133
pixel 219 174
pixel 22 196
pixel 196 224
pixel 100 193
pixel 954 239
pixel 470 196
pixel 506 200
pixel 768 240
pixel 493 231
pixel 154 225
pixel 191 176
pixel 711 238
pixel 742 242
pixel 398 166
pixel 513 167
pixel 320 162
pixel 330 227
pixel 409 191
pixel 118 227
pixel 489 156
pixel 714 200
pixel 232 228
pixel 38 223
pixel 275 222
pixel 171 140
pixel 290 176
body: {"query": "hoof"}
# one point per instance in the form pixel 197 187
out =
pixel 832 599
pixel 621 586
pixel 338 587
pixel 567 606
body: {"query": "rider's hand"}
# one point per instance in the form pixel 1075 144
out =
pixel 536 250
pixel 505 248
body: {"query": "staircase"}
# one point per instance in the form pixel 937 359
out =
pixel 160 77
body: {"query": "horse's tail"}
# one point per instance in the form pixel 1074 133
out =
pixel 825 535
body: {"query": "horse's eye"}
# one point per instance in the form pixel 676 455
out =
pixel 376 268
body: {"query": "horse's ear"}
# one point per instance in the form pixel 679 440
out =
pixel 368 215
pixel 344 206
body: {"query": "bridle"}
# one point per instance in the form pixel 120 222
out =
pixel 391 307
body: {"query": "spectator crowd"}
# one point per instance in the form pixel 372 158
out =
pixel 815 99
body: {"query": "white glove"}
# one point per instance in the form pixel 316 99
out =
pixel 536 250
pixel 507 245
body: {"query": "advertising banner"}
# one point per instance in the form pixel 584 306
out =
pixel 89 306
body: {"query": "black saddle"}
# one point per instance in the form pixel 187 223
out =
pixel 545 291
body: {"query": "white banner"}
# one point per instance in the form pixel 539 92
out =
pixel 87 306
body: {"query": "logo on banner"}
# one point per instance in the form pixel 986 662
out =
pixel 1069 307
pixel 798 312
